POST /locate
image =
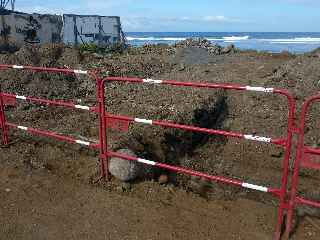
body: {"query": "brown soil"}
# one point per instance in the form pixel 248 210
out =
pixel 46 186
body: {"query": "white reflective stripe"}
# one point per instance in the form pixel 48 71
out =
pixel 257 138
pixel 21 97
pixel 141 160
pixel 23 128
pixel 80 72
pixel 18 67
pixel 148 80
pixel 82 142
pixel 138 120
pixel 255 187
pixel 82 107
pixel 260 89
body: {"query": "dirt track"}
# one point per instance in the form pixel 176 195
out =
pixel 46 193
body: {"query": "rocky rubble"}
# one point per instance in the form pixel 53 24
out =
pixel 213 49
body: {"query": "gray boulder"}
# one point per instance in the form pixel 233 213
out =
pixel 125 170
pixel 228 49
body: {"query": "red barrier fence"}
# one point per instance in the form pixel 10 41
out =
pixel 286 142
pixel 107 120
pixel 306 157
pixel 10 99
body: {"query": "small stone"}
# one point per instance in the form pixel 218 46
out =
pixel 98 56
pixel 163 179
pixel 228 49
pixel 277 153
pixel 8 190
pixel 126 187
pixel 182 67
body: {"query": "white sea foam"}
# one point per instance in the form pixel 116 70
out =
pixel 305 40
pixel 141 38
pixel 308 39
pixel 173 39
pixel 155 39
pixel 215 39
pixel 292 42
pixel 235 38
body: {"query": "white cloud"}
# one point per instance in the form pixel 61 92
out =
pixel 303 1
pixel 218 19
pixel 133 16
pixel 136 23
pixel 311 3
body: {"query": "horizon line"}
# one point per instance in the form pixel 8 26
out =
pixel 216 32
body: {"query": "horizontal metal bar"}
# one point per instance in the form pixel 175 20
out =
pixel 43 69
pixel 315 151
pixel 200 85
pixel 280 142
pixel 197 174
pixel 176 83
pixel 303 201
pixel 53 135
pixel 50 102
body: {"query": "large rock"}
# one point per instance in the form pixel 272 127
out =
pixel 228 49
pixel 125 170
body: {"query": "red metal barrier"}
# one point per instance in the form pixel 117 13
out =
pixel 306 157
pixel 281 193
pixel 10 99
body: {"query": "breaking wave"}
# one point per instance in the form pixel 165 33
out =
pixel 305 40
pixel 232 38
pixel 155 39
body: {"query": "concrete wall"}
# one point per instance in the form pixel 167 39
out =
pixel 100 30
pixel 19 28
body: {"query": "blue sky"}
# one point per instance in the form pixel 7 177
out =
pixel 193 15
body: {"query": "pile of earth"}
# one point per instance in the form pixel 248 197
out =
pixel 213 49
pixel 249 113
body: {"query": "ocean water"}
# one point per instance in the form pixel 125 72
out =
pixel 262 41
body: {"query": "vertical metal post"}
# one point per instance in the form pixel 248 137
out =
pixel 102 128
pixel 285 167
pixel 3 121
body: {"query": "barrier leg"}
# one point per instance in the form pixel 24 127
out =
pixel 283 193
pixel 295 176
pixel 102 130
pixel 3 126
pixel 292 201
pixel 285 174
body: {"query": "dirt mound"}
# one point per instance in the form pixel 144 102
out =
pixel 175 104
pixel 48 85
pixel 248 113
pixel 301 74
pixel 213 49
pixel 47 55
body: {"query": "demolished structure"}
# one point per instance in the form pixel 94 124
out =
pixel 100 30
pixel 17 28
